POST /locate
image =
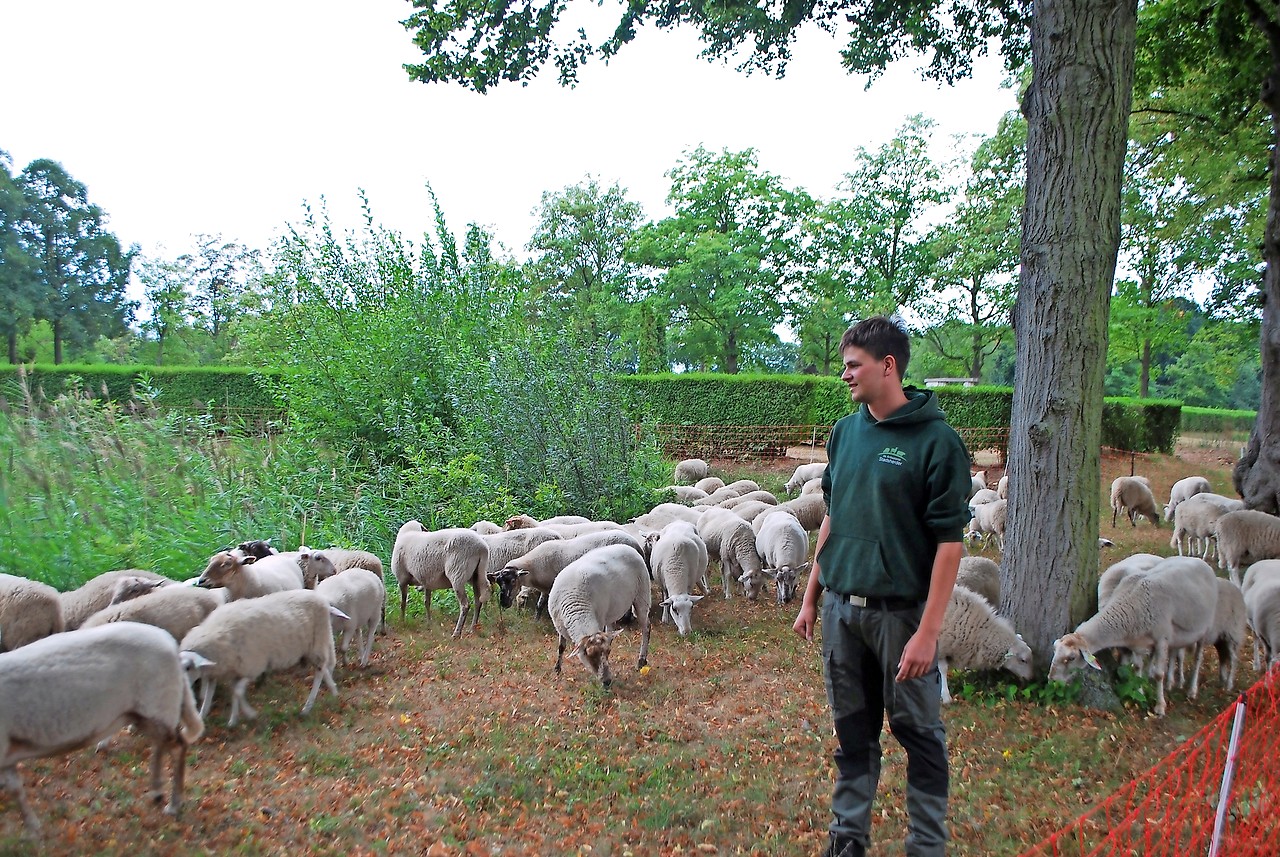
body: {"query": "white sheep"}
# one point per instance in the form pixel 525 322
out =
pixel 130 587
pixel 977 482
pixel 813 486
pixel 679 563
pixel 1002 487
pixel 593 593
pixel 989 520
pixel 1132 495
pixel 986 495
pixel 1228 630
pixel 94 594
pixel 246 576
pixel 973 637
pixel 1194 520
pixel 572 531
pixel 1245 537
pixel 744 486
pixel 733 543
pixel 444 559
pixel 690 471
pixel 981 575
pixel 539 568
pixel 1136 565
pixel 1185 489
pixel 808 509
pixel 29 611
pixel 360 595
pixel 245 638
pixel 710 484
pixel 1261 593
pixel 783 546
pixel 176 609
pixel 804 474
pixel 750 497
pixel 506 546
pixel 685 493
pixel 718 496
pixel 751 509
pixel 486 528
pixel 664 513
pixel 516 522
pixel 71 690
pixel 1170 607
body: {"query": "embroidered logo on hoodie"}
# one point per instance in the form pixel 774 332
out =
pixel 893 455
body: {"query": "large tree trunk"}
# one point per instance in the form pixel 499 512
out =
pixel 1077 110
pixel 1257 474
pixel 1144 378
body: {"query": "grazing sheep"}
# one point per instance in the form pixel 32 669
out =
pixel 715 498
pixel 710 484
pixel 1194 521
pixel 564 521
pixel 176 609
pixel 977 482
pixel 1228 630
pixel 444 559
pixel 989 520
pixel 808 509
pixel 679 563
pixel 72 690
pixel 345 558
pixel 662 514
pixel 29 611
pixel 572 531
pixel 1261 593
pixel 243 639
pixel 486 528
pixel 94 594
pixel 1170 607
pixel 1244 537
pixel 732 541
pixel 130 587
pixel 813 486
pixel 1260 571
pixel 973 637
pixel 1185 489
pixel 783 546
pixel 986 495
pixel 506 546
pixel 804 474
pixel 246 576
pixel 685 493
pixel 750 510
pixel 1136 565
pixel 744 486
pixel 539 568
pixel 360 595
pixel 1002 487
pixel 590 595
pixel 690 471
pixel 517 522
pixel 750 497
pixel 981 575
pixel 1132 495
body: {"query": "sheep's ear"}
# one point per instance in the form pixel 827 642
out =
pixel 1019 636
pixel 1090 659
pixel 666 603
pixel 249 559
pixel 696 598
pixel 492 576
pixel 336 613
pixel 804 567
pixel 522 574
pixel 612 635
pixel 194 660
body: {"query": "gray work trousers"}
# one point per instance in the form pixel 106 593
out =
pixel 861 647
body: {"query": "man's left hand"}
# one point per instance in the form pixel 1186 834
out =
pixel 917 656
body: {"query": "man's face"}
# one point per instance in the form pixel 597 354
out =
pixel 866 376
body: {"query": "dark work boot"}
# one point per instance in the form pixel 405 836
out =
pixel 841 846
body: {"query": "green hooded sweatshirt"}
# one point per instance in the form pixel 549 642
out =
pixel 894 488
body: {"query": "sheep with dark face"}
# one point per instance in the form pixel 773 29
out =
pixel 539 567
pixel 591 595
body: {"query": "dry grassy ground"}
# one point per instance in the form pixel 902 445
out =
pixel 474 746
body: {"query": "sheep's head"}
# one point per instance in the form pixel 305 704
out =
pixel 194 665
pixel 505 580
pixel 785 578
pixel 1018 659
pixel 681 607
pixel 222 567
pixel 315 566
pixel 519 522
pixel 752 582
pixel 593 651
pixel 128 588
pixel 1069 656
pixel 260 548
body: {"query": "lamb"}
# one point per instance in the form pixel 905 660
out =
pixel 732 541
pixel 685 493
pixel 973 637
pixel 71 690
pixel 1002 487
pixel 1194 520
pixel 803 474
pixel 710 484
pixel 246 576
pixel 591 594
pixel 243 639
pixel 1185 489
pixel 986 495
pixel 1171 607
pixel 444 559
pixel 783 546
pixel 360 595
pixel 750 497
pixel 486 528
pixel 506 546
pixel 982 576
pixel 1244 537
pixel 176 609
pixel 29 611
pixel 679 563
pixel 977 482
pixel 539 568
pixel 690 471
pixel 1132 495
pixel 1137 565
pixel 989 520
pixel 94 594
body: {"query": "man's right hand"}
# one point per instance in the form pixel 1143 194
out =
pixel 805 622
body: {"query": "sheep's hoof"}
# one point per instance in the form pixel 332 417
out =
pixel 644 662
pixel 174 810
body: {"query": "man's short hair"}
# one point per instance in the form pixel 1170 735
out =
pixel 880 337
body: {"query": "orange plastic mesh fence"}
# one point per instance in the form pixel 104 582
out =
pixel 1170 809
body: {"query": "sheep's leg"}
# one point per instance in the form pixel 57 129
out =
pixel 1115 510
pixel 1160 668
pixel 157 768
pixel 404 599
pixel 1197 655
pixel 179 766
pixel 464 607
pixel 10 779
pixel 1234 572
pixel 729 570
pixel 206 696
pixel 642 616
pixel 322 674
pixel 942 679
pixel 239 701
pixel 560 654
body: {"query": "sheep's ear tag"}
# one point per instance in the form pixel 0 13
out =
pixel 1091 660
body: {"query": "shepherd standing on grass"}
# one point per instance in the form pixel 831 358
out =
pixel 897 489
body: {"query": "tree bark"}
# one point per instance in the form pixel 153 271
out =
pixel 1256 476
pixel 57 342
pixel 1077 110
pixel 13 348
pixel 1144 378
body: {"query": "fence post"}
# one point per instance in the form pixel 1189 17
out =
pixel 1228 772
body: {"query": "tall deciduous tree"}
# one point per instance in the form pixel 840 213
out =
pixel 19 281
pixel 724 253
pixel 164 285
pixel 83 270
pixel 222 272
pixel 1077 108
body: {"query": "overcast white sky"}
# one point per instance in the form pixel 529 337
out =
pixel 225 117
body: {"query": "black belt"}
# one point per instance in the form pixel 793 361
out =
pixel 873 602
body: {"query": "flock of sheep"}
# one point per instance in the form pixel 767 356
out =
pixel 132 648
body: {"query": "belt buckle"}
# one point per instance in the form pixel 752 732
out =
pixel 857 600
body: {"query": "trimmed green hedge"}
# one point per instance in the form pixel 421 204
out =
pixel 1140 425
pixel 1217 420
pixel 176 386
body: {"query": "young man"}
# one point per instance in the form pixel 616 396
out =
pixel 897 489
